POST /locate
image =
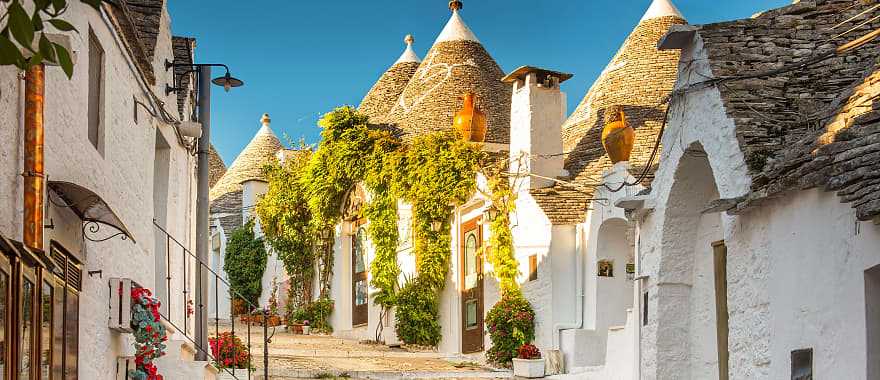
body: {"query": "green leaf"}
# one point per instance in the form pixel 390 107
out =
pixel 35 59
pixel 42 4
pixel 37 22
pixel 59 5
pixel 9 53
pixel 46 48
pixel 20 24
pixel 62 25
pixel 64 60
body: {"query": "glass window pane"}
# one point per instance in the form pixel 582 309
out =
pixel 4 306
pixel 46 333
pixel 71 334
pixel 471 306
pixel 359 250
pixel 470 260
pixel 27 327
pixel 360 292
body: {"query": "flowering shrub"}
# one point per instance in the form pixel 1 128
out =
pixel 229 352
pixel 528 352
pixel 511 324
pixel 149 335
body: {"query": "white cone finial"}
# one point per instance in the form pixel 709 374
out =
pixel 409 55
pixel 456 30
pixel 265 120
pixel 661 8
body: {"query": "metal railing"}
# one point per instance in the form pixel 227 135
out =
pixel 190 264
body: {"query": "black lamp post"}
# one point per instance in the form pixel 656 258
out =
pixel 203 235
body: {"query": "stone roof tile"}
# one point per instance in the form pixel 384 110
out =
pixel 789 125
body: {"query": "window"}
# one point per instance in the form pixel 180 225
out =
pixel 65 336
pixel 802 364
pixel 26 325
pixel 46 319
pixel 533 267
pixel 96 74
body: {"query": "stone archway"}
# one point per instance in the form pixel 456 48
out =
pixel 687 325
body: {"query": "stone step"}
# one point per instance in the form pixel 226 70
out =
pixel 384 375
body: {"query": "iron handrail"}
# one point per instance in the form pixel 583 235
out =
pixel 233 294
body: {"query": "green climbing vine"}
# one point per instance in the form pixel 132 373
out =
pixel 286 223
pixel 434 173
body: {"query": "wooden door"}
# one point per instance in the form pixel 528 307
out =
pixel 359 296
pixel 471 281
pixel 721 314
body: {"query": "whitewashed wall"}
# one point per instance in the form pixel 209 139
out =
pixel 796 265
pixel 122 175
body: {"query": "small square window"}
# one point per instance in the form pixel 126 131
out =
pixel 802 364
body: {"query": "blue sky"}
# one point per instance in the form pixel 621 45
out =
pixel 299 58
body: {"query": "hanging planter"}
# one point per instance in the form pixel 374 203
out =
pixel 149 334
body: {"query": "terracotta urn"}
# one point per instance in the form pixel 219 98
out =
pixel 617 136
pixel 470 122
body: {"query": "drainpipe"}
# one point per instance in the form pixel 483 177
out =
pixel 34 182
pixel 578 293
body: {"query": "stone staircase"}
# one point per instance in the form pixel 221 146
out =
pixel 179 362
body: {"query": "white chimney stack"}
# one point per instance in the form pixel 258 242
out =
pixel 536 116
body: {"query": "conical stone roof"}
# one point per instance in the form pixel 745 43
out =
pixel 638 78
pixel 216 167
pixel 249 163
pixel 457 63
pixel 382 97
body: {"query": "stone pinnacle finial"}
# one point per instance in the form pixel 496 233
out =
pixel 455 5
pixel 409 39
pixel 265 120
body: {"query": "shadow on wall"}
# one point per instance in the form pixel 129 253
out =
pixel 589 158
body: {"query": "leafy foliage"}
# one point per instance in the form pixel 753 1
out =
pixel 440 172
pixel 149 334
pixel 417 317
pixel 20 30
pixel 286 221
pixel 501 256
pixel 245 263
pixel 316 313
pixel 528 352
pixel 229 351
pixel 511 324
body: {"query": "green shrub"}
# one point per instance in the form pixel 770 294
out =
pixel 417 317
pixel 511 324
pixel 244 264
pixel 317 313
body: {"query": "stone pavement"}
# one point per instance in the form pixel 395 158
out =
pixel 319 356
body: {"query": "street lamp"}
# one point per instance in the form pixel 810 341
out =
pixel 203 233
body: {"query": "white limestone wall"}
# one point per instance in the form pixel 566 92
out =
pixel 796 265
pixel 698 117
pixel 537 114
pixel 532 235
pixel 122 174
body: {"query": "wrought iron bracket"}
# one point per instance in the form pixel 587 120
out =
pixel 92 228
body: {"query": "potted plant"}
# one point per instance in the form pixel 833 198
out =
pixel 528 362
pixel 306 328
pixel 231 356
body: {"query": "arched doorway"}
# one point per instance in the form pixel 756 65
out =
pixel 614 291
pixel 691 284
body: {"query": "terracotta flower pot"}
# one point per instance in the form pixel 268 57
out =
pixel 470 122
pixel 618 137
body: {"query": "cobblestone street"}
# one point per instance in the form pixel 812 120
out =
pixel 293 356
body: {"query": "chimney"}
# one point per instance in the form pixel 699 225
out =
pixel 536 116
